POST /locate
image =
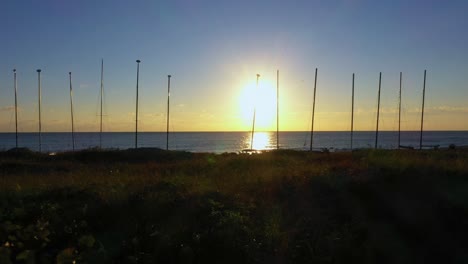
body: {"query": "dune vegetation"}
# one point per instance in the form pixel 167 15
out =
pixel 155 206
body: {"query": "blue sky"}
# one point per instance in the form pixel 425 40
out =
pixel 213 49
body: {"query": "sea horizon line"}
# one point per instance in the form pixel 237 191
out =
pixel 233 131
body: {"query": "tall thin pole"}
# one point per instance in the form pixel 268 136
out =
pixel 399 112
pixel 39 101
pixel 313 112
pixel 102 94
pixel 422 111
pixel 71 112
pixel 253 121
pixel 16 108
pixel 277 109
pixel 168 96
pixel 136 111
pixel 378 112
pixel 352 112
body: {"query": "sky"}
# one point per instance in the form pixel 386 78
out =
pixel 215 49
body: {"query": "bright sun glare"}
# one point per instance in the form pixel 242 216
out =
pixel 263 99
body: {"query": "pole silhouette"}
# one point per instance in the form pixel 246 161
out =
pixel 136 111
pixel 71 112
pixel 16 108
pixel 277 109
pixel 102 94
pixel 167 123
pixel 399 112
pixel 39 102
pixel 352 112
pixel 253 121
pixel 422 111
pixel 313 112
pixel 378 112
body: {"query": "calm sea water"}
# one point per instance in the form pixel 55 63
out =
pixel 219 142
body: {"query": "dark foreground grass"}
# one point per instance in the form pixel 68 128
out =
pixel 153 206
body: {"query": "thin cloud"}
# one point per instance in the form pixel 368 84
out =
pixel 439 109
pixel 10 109
pixel 153 115
pixel 7 108
pixel 449 109
pixel 206 115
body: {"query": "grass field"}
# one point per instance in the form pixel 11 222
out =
pixel 154 206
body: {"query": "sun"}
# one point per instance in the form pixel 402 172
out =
pixel 263 99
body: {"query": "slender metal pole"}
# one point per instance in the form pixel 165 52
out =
pixel 313 112
pixel 168 96
pixel 136 111
pixel 253 121
pixel 71 112
pixel 102 94
pixel 399 112
pixel 277 109
pixel 16 108
pixel 422 111
pixel 39 101
pixel 352 113
pixel 378 112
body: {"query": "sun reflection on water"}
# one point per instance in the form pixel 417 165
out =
pixel 261 141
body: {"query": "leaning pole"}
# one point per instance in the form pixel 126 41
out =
pixel 167 121
pixel 101 97
pixel 16 108
pixel 399 112
pixel 71 112
pixel 422 112
pixel 136 104
pixel 253 121
pixel 39 103
pixel 378 112
pixel 277 109
pixel 352 112
pixel 313 112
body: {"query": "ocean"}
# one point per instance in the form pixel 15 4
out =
pixel 220 142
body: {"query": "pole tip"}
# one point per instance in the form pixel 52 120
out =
pixel 38 70
pixel 14 70
pixel 169 76
pixel 138 61
pixel 69 73
pixel 258 75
